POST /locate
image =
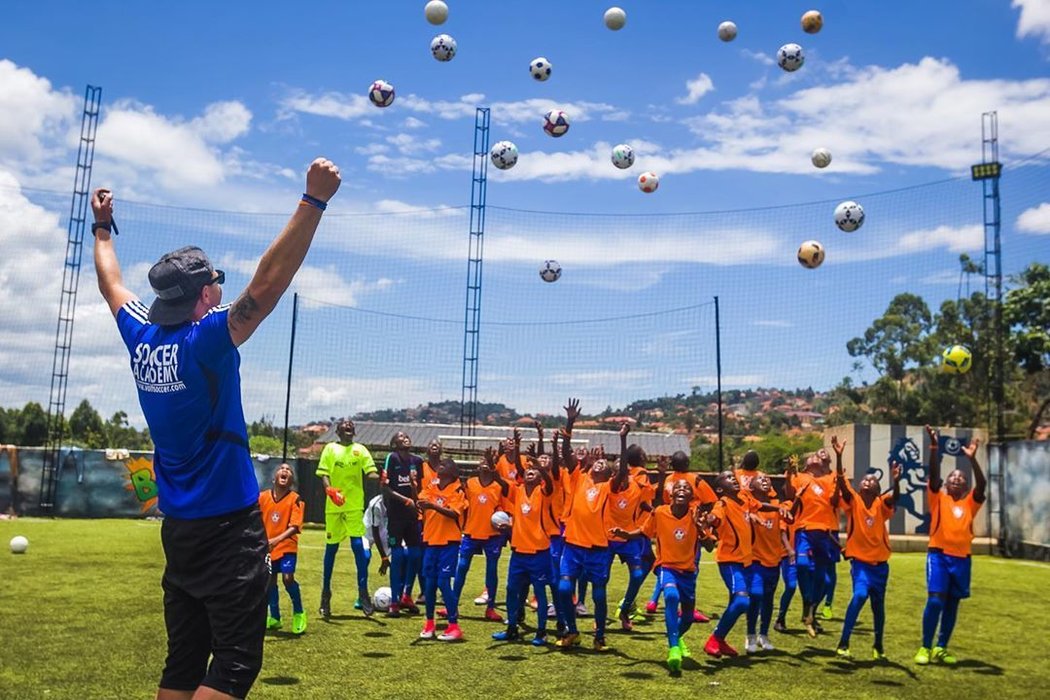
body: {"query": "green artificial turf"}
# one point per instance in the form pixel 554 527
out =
pixel 80 617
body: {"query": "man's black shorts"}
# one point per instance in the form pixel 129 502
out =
pixel 215 583
pixel 404 531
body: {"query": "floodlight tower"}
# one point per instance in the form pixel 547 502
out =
pixel 67 304
pixel 468 416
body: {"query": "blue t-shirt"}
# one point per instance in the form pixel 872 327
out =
pixel 189 385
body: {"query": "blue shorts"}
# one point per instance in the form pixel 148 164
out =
pixel 589 563
pixel 491 547
pixel 630 552
pixel 868 578
pixel 816 547
pixel 738 578
pixel 764 578
pixel 788 573
pixel 284 565
pixel 947 575
pixel 684 581
pixel 440 560
pixel 536 568
pixel 557 547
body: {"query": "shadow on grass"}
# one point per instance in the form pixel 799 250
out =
pixel 981 667
pixel 280 680
pixel 377 635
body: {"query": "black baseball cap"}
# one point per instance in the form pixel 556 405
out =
pixel 177 280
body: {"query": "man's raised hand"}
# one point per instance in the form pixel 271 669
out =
pixel 322 179
pixel 102 205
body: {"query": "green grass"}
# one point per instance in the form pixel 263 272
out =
pixel 80 617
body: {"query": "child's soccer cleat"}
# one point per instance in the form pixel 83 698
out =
pixel 492 615
pixel 429 628
pixel 699 617
pixel 827 613
pixel 764 643
pixel 273 623
pixel 540 640
pixel 811 627
pixel 533 604
pixel 780 626
pixel 298 622
pixel 674 659
pixel 686 654
pixel 600 644
pixel 365 604
pixel 650 607
pixel 508 635
pixel 751 643
pixel 922 656
pixel 712 647
pixel 571 639
pixel 581 610
pixel 625 621
pixel 943 656
pixel 877 655
pixel 408 606
pixel 552 612
pixel 725 648
pixel 451 634
pixel 845 654
pixel 394 610
pixel 357 603
pixel 482 599
pixel 325 610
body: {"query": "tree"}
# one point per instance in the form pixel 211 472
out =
pixel 32 425
pixel 1026 313
pixel 86 427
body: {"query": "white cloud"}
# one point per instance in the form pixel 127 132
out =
pixel 1035 220
pixel 600 378
pixel 696 88
pixel 943 277
pixel 1034 19
pixel 329 104
pixel 757 56
pixel 410 144
pixel 320 284
pixel 955 239
pixel 34 118
pixel 413 123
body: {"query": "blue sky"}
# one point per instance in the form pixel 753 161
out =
pixel 219 107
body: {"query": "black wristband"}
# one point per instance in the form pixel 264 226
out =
pixel 314 201
pixel 110 226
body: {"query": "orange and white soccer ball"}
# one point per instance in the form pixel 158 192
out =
pixel 812 22
pixel 811 254
pixel 648 182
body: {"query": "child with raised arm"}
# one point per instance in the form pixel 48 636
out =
pixel 868 549
pixel 282 514
pixel 953 506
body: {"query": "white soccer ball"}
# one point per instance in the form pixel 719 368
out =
pixel 648 182
pixel 540 68
pixel 381 93
pixel 504 155
pixel 615 18
pixel 436 12
pixel 500 519
pixel 849 216
pixel 821 157
pixel 790 57
pixel 383 596
pixel 623 156
pixel 550 271
pixel 19 544
pixel 727 31
pixel 443 47
pixel 556 123
pixel 811 254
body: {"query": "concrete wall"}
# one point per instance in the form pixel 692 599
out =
pixel 1026 497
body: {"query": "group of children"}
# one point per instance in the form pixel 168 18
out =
pixel 569 513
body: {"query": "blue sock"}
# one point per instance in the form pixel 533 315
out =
pixel 948 618
pixel 766 613
pixel 362 557
pixel 565 589
pixel 820 575
pixel 831 579
pixel 275 601
pixel 462 569
pixel 581 590
pixel 930 617
pixel 672 615
pixel 430 586
pixel 856 604
pixel 492 577
pixel 790 585
pixel 685 620
pixel 753 609
pixel 330 550
pixel 655 597
pixel 878 613
pixel 293 593
pixel 450 598
pixel 601 607
pixel 398 566
pixel 414 569
pixel 634 584
pixel 541 606
pixel 515 597
pixel 733 612
pixel 805 583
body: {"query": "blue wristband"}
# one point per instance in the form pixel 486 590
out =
pixel 314 201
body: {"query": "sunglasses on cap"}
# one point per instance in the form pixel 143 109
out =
pixel 220 278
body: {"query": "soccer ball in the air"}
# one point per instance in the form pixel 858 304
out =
pixel 436 12
pixel 623 156
pixel 383 596
pixel 811 254
pixel 381 93
pixel 550 271
pixel 540 68
pixel 849 216
pixel 790 57
pixel 443 47
pixel 504 155
pixel 812 21
pixel 648 182
pixel 727 31
pixel 821 157
pixel 19 544
pixel 499 519
pixel 615 18
pixel 556 123
pixel 956 360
